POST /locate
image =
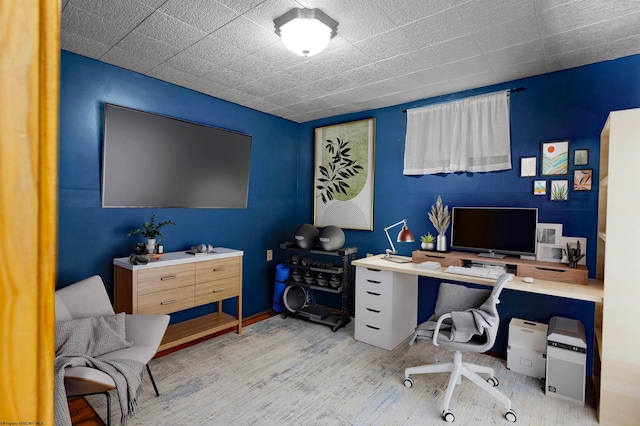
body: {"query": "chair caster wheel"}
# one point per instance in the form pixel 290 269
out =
pixel 448 416
pixel 408 382
pixel 493 381
pixel 510 416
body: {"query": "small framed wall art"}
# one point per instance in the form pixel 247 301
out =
pixel 539 187
pixel 559 190
pixel 528 166
pixel 582 179
pixel 555 158
pixel 581 157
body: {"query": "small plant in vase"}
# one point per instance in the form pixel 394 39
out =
pixel 440 217
pixel 427 242
pixel 150 230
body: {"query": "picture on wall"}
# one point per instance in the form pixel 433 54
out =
pixel 582 179
pixel 539 187
pixel 559 190
pixel 343 175
pixel 528 166
pixel 581 157
pixel 549 253
pixel 555 158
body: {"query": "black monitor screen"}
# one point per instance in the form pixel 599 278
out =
pixel 500 230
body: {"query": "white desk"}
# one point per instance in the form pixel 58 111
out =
pixel 593 292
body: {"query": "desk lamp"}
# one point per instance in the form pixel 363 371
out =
pixel 404 236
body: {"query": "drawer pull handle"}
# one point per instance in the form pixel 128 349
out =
pixel 370 326
pixel 168 277
pixel 217 290
pixel 374 270
pixel 374 282
pixel 168 302
pixel 218 269
pixel 373 310
pixel 373 294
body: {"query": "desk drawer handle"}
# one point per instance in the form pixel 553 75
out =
pixel 370 326
pixel 372 310
pixel 218 269
pixel 218 290
pixel 550 269
pixel 168 302
pixel 374 282
pixel 168 277
pixel 374 270
pixel 373 294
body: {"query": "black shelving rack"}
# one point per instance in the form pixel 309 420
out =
pixel 317 314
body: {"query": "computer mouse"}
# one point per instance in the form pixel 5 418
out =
pixel 527 279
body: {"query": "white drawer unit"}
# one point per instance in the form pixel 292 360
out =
pixel 386 308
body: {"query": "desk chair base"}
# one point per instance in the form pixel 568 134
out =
pixel 458 369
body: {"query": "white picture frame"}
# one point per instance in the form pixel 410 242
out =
pixel 528 166
pixel 549 233
pixel 549 253
pixel 574 240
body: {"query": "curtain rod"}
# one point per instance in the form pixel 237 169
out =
pixel 514 90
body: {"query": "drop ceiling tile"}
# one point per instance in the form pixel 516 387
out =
pixel 465 67
pixel 252 66
pixel 576 58
pixel 284 80
pixel 472 81
pixel 623 47
pixel 236 96
pixel 207 15
pixel 127 13
pixel 172 75
pixel 526 69
pixel 129 60
pixel 227 77
pixel 153 3
pixel 425 92
pixel 264 13
pixel 420 78
pixel 92 26
pixel 147 47
pixel 542 5
pixel 514 55
pixel 241 6
pixel 207 87
pixel 213 49
pixel 256 88
pixel 404 12
pixel 577 39
pixel 625 26
pixel 508 34
pixel 624 7
pixel 342 60
pixel 277 53
pixel 435 29
pixel 365 22
pixel 574 15
pixel 385 45
pixel 405 64
pixel 450 50
pixel 64 4
pixel 283 98
pixel 170 30
pixel 480 14
pixel 245 35
pixel 335 83
pixel 192 64
pixel 82 45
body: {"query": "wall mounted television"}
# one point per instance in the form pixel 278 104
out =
pixel 494 231
pixel 151 160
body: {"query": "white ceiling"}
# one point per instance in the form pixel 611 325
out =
pixel 387 52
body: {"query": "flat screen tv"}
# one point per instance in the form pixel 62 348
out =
pixel 151 160
pixel 494 231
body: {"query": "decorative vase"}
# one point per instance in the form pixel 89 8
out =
pixel 441 241
pixel 427 246
pixel 151 245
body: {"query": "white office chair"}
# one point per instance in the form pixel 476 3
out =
pixel 473 312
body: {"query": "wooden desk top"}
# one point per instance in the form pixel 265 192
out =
pixel 593 292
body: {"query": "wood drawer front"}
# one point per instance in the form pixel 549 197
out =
pixel 165 278
pixel 217 269
pixel 214 291
pixel 372 335
pixel 373 275
pixel 374 317
pixel 167 301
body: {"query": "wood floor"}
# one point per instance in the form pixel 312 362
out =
pixel 82 414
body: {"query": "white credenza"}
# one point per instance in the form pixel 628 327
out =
pixel 179 281
pixel 386 308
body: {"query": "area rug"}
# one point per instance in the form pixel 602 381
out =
pixel 294 372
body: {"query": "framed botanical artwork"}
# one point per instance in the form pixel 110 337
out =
pixel 539 187
pixel 528 166
pixel 581 157
pixel 343 175
pixel 559 190
pixel 555 158
pixel 582 179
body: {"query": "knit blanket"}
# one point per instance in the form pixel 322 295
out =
pixel 474 322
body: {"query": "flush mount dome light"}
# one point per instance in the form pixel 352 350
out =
pixel 305 32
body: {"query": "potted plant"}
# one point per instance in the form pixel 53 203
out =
pixel 427 242
pixel 150 230
pixel 440 217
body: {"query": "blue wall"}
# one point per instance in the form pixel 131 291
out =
pixel 571 104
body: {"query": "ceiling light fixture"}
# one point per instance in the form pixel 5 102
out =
pixel 305 32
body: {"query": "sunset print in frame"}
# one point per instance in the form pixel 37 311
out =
pixel 555 158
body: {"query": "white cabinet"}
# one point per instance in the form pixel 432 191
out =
pixel 386 308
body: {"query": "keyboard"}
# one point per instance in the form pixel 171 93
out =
pixel 489 273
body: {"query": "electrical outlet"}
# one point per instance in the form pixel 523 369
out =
pixel 269 255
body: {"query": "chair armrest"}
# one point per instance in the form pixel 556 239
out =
pixel 436 331
pixel 146 330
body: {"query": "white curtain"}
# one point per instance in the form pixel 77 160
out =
pixel 469 135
